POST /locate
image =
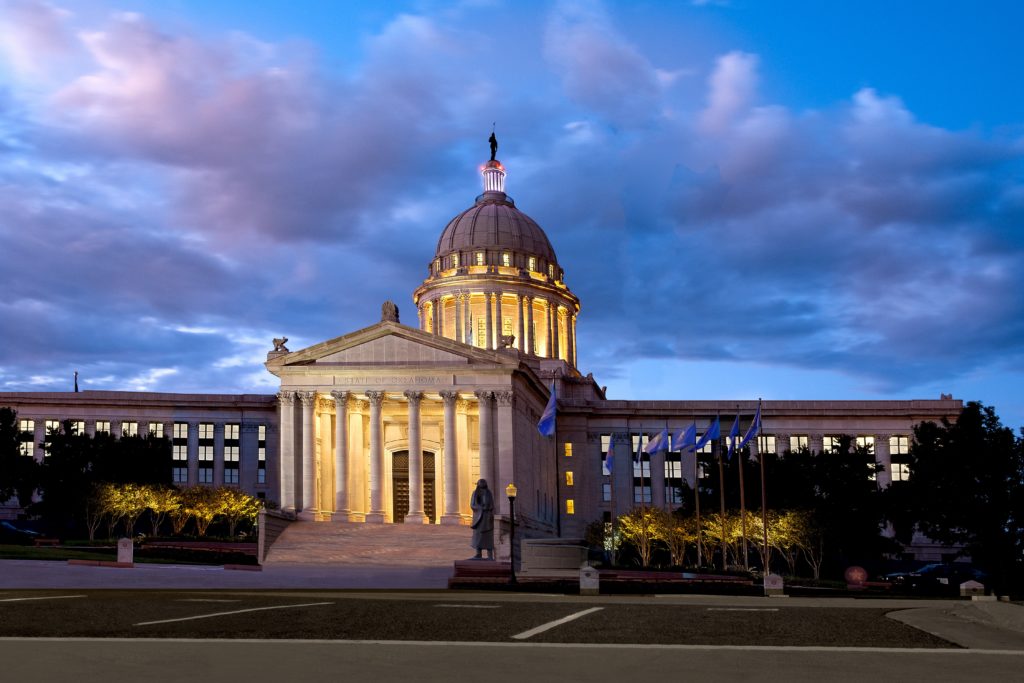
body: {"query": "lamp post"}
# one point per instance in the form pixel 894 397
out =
pixel 511 491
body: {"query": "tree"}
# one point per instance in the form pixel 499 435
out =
pixel 161 500
pixel 129 502
pixel 966 488
pixel 640 528
pixel 203 505
pixel 66 479
pixel 236 506
pixel 679 533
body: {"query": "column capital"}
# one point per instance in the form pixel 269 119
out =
pixel 462 405
pixel 504 398
pixel 413 396
pixel 306 397
pixel 449 397
pixel 360 406
pixel 340 397
pixel 483 395
pixel 324 404
pixel 376 398
pixel 883 437
pixel 286 398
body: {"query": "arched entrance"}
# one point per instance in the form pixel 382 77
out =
pixel 400 486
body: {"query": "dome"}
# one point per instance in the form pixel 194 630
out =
pixel 495 224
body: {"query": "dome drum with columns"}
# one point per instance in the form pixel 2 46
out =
pixel 495 276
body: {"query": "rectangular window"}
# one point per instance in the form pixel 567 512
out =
pixel 455 260
pixel 533 338
pixel 102 426
pixel 900 471
pixel 230 475
pixel 437 266
pixel 129 429
pixel 551 271
pixel 706 448
pixel 568 478
pixel 179 475
pixel 481 332
pixel 78 427
pixel 641 493
pixel 27 436
pixel 570 507
pixel 179 445
pixel 506 326
pixel 261 455
pixel 532 264
pixel 568 449
pixel 605 440
pixel 205 475
pixel 829 444
pixel 205 452
pixel 799 441
pixel 606 492
pixel 52 427
pixel 231 445
pixel 156 429
pixel 867 442
pixel 766 444
pixel 899 445
pixel 480 258
pixel 673 468
pixel 506 259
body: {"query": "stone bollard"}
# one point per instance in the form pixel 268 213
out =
pixel 971 589
pixel 773 586
pixel 590 582
pixel 125 552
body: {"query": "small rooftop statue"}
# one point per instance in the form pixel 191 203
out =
pixel 494 145
pixel 279 345
pixel 389 312
pixel 508 341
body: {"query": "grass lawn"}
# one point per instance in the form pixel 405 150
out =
pixel 151 556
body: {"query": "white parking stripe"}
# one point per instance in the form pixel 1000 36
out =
pixel 557 622
pixel 471 606
pixel 42 597
pixel 742 609
pixel 205 600
pixel 224 614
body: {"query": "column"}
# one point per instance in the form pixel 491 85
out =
pixel 193 452
pixel 451 475
pixel 458 319
pixel 570 338
pixel 340 454
pixel 556 315
pixel 489 343
pixel 419 316
pixel 504 472
pixel 884 457
pixel 415 514
pixel 305 497
pixel 531 343
pixel 622 472
pixel 467 323
pixel 377 514
pixel 218 453
pixel 325 491
pixel 435 315
pixel 500 326
pixel 658 479
pixel 521 344
pixel 549 315
pixel 357 461
pixel 440 316
pixel 486 409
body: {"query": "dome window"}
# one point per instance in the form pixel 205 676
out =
pixel 532 264
pixel 551 271
pixel 506 259
pixel 455 260
pixel 480 258
pixel 437 266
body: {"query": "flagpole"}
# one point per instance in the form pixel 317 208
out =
pixel 696 502
pixel 611 478
pixel 743 504
pixel 764 498
pixel 721 496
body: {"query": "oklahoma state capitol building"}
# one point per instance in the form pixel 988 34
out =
pixel 394 423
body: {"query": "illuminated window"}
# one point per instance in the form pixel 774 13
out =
pixel 231 443
pixel 798 441
pixel 102 426
pixel 867 442
pixel 706 448
pixel 766 444
pixel 533 338
pixel 78 427
pixel 179 453
pixel 570 507
pixel 532 263
pixel 27 436
pixel 129 429
pixel 829 444
pixel 479 258
pixel 551 271
pixel 205 453
pixel 481 332
pixel 455 260
pixel 899 445
pixel 900 471
pixel 437 266
pixel 506 259
pixel 568 449
pixel 52 427
pixel 261 455
pixel 568 478
pixel 506 326
pixel 673 469
pixel 156 429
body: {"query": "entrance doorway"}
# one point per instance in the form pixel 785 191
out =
pixel 400 485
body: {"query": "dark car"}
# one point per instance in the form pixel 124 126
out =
pixel 16 535
pixel 936 578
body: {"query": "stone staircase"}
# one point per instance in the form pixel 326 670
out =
pixel 383 545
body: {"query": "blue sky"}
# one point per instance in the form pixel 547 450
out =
pixel 752 199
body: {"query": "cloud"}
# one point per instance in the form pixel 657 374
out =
pixel 732 88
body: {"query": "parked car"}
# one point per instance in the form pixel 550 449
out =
pixel 936 578
pixel 12 534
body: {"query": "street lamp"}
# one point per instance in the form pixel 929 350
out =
pixel 511 491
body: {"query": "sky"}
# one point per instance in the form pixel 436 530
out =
pixel 786 200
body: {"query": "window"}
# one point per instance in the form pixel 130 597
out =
pixel 481 332
pixel 532 263
pixel 533 338
pixel 551 271
pixel 706 448
pixel 673 478
pixel 205 452
pixel 506 326
pixel 102 426
pixel 798 441
pixel 27 429
pixel 829 444
pixel 867 442
pixel 156 429
pixel 570 507
pixel 900 471
pixel 261 455
pixel 480 258
pixel 673 468
pixel 52 427
pixel 179 475
pixel 77 427
pixel 568 478
pixel 899 445
pixel 605 442
pixel 568 449
pixel 606 492
pixel 179 453
pixel 455 260
pixel 231 443
pixel 766 444
pixel 129 429
pixel 506 259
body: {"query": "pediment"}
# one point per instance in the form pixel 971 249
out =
pixel 391 344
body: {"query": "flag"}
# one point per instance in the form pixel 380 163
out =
pixel 609 458
pixel 684 440
pixel 734 434
pixel 658 443
pixel 546 425
pixel 714 431
pixel 639 450
pixel 755 427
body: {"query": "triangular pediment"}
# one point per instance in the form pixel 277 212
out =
pixel 391 344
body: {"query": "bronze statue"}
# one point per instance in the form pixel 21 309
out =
pixel 279 345
pixel 482 504
pixel 389 312
pixel 494 145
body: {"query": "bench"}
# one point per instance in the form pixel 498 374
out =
pixel 45 542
